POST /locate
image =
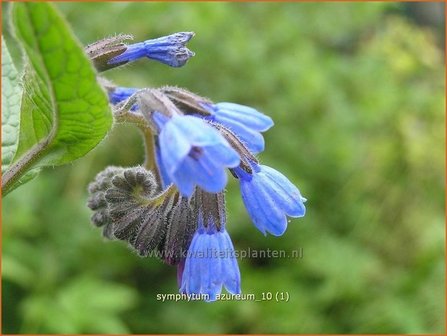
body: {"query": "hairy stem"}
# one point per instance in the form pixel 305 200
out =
pixel 22 166
pixel 149 145
pixel 148 138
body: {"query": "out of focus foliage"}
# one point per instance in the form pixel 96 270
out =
pixel 357 95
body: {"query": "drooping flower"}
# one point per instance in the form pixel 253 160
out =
pixel 209 265
pixel 211 262
pixel 164 177
pixel 246 122
pixel 194 153
pixel 269 198
pixel 170 50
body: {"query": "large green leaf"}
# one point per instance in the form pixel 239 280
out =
pixel 11 98
pixel 65 113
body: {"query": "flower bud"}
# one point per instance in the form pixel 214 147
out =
pixel 97 201
pixel 170 50
pixel 153 227
pixel 128 200
pixel 181 225
pixel 102 51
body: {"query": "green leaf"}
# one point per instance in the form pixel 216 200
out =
pixel 11 98
pixel 65 112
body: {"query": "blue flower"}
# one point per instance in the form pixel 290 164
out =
pixel 165 180
pixel 169 50
pixel 244 121
pixel 120 94
pixel 194 153
pixel 269 198
pixel 210 264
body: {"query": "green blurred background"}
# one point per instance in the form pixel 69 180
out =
pixel 356 91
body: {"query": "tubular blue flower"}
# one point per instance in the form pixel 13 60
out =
pixel 244 121
pixel 269 198
pixel 210 264
pixel 194 153
pixel 165 181
pixel 170 50
pixel 120 94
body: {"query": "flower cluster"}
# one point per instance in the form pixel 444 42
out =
pixel 178 208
